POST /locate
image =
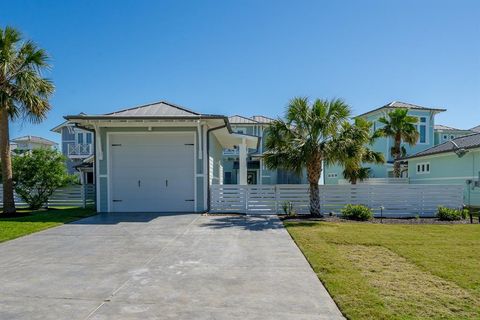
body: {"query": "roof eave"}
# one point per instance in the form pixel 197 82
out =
pixel 438 152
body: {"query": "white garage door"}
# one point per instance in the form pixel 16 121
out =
pixel 152 172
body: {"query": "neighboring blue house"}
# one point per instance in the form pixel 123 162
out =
pixel 257 173
pixel 77 147
pixel 452 162
pixel 425 126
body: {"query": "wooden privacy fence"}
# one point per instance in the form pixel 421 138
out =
pixel 397 200
pixel 69 196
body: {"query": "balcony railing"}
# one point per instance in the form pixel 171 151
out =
pixel 230 152
pixel 80 149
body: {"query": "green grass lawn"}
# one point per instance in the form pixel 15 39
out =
pixel 11 228
pixel 376 271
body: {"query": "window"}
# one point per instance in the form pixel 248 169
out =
pixel 89 137
pixel 240 130
pixel 445 137
pixel 452 137
pixel 79 138
pixel 422 129
pixel 423 168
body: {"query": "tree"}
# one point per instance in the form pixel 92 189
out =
pixel 302 139
pixel 399 126
pixel 37 174
pixel 24 93
pixel 350 149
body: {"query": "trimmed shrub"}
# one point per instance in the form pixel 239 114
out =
pixel 357 212
pixel 450 214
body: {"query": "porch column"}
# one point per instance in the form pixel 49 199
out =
pixel 242 162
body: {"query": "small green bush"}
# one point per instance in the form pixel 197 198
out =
pixel 288 209
pixel 37 174
pixel 450 214
pixel 357 212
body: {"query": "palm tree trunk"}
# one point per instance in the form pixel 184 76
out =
pixel 396 157
pixel 315 200
pixel 314 170
pixel 396 169
pixel 6 162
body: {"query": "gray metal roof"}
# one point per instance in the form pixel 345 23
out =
pixel 441 127
pixel 465 142
pixel 34 139
pixel 237 119
pixel 161 108
pixel 476 129
pixel 402 105
pixel 152 111
pixel 263 119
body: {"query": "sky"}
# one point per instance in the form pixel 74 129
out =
pixel 251 57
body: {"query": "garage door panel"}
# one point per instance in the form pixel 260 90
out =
pixel 152 172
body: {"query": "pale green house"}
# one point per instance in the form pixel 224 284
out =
pixel 425 127
pixel 453 162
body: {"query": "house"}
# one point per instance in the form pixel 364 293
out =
pixel 257 173
pixel 453 162
pixel 425 127
pixel 28 143
pixel 160 156
pixel 444 133
pixel 77 147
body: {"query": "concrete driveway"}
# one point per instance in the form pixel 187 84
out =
pixel 160 266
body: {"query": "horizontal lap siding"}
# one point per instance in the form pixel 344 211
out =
pixel 399 200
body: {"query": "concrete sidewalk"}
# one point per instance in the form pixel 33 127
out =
pixel 161 266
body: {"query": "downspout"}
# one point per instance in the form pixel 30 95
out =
pixel 207 176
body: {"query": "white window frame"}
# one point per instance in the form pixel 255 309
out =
pixel 422 168
pixel 84 136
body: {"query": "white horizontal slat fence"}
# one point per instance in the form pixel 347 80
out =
pixel 397 200
pixel 378 181
pixel 69 196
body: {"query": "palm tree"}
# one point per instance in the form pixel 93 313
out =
pixel 399 126
pixel 24 93
pixel 350 149
pixel 301 140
